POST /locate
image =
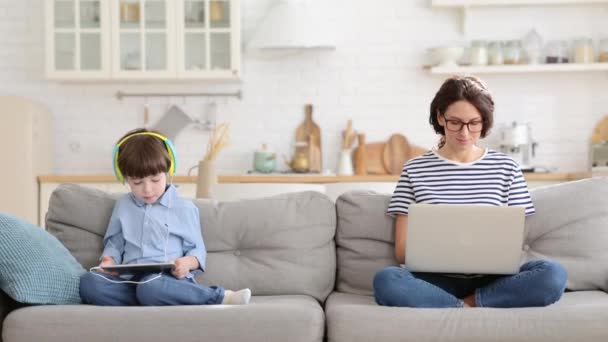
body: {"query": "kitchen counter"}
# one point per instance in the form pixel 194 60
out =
pixel 301 178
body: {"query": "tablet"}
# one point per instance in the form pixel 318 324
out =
pixel 140 268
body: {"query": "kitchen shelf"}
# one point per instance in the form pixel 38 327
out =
pixel 465 5
pixel 471 3
pixel 511 69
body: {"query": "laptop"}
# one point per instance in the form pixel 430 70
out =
pixel 138 268
pixel 479 239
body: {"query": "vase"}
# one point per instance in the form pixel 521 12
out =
pixel 207 179
pixel 345 164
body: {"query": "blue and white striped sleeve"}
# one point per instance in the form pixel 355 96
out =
pixel 403 196
pixel 519 194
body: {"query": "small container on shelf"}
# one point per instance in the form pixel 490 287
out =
pixel 478 54
pixel 512 52
pixel 533 47
pixel 557 52
pixel 495 53
pixel 583 51
pixel 603 57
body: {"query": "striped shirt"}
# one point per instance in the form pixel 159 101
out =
pixel 493 179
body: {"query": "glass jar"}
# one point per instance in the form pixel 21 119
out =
pixel 478 53
pixel 557 52
pixel 495 54
pixel 583 51
pixel 603 58
pixel 533 46
pixel 512 52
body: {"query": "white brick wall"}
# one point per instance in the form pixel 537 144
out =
pixel 374 77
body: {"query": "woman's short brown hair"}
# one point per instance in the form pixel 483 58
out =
pixel 142 155
pixel 463 88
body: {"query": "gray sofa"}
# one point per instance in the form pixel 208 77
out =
pixel 310 262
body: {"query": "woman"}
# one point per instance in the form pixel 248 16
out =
pixel 460 172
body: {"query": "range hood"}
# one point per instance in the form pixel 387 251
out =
pixel 293 25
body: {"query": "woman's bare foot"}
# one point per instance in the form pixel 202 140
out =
pixel 469 301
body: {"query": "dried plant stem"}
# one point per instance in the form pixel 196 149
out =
pixel 218 140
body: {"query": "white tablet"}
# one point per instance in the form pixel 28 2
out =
pixel 140 268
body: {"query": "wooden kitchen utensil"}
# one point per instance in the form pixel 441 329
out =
pixel 416 151
pixel 373 158
pixel 304 131
pixel 360 156
pixel 314 155
pixel 600 132
pixel 395 154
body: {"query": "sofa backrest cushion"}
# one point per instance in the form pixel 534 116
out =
pixel 570 226
pixel 276 245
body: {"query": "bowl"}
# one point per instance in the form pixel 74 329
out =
pixel 447 56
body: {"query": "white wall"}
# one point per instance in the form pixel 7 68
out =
pixel 374 77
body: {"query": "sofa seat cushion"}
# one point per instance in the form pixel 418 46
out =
pixel 267 318
pixel 578 316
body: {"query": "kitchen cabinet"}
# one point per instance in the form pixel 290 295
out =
pixel 143 39
pixel 77 39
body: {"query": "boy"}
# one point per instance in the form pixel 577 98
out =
pixel 152 224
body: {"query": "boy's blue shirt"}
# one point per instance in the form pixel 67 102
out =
pixel 137 232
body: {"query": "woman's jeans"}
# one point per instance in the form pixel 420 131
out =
pixel 538 283
pixel 96 288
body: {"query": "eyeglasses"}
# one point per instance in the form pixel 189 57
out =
pixel 456 125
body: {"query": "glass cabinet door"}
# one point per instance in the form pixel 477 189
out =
pixel 77 38
pixel 143 38
pixel 208 39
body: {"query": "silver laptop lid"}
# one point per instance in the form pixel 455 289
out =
pixel 464 238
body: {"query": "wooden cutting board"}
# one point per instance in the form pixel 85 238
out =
pixel 307 129
pixel 395 154
pixel 373 158
pixel 600 132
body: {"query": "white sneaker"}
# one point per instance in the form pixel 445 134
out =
pixel 240 297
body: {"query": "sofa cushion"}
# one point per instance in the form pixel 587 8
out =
pixel 34 267
pixel 578 316
pixel 570 226
pixel 274 318
pixel 277 245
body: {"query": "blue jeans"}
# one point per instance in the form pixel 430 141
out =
pixel 538 283
pixel 166 290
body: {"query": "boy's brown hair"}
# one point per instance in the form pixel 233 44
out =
pixel 142 155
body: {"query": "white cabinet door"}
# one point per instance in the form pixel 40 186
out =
pixel 77 39
pixel 143 39
pixel 208 39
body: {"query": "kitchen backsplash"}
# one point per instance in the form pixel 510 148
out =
pixel 374 77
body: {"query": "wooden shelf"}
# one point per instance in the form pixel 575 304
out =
pixel 471 3
pixel 297 178
pixel 465 5
pixel 512 69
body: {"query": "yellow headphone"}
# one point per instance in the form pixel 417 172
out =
pixel 168 144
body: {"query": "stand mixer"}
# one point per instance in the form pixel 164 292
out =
pixel 516 142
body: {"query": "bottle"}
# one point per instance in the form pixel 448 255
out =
pixel 533 45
